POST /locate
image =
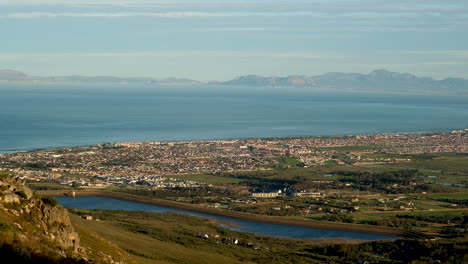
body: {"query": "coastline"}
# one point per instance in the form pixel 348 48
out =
pixel 45 148
pixel 231 214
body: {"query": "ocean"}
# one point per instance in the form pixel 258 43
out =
pixel 36 117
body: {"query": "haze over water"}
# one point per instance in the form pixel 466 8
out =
pixel 59 116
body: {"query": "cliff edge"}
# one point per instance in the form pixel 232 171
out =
pixel 35 229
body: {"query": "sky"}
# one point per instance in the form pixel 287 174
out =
pixel 219 39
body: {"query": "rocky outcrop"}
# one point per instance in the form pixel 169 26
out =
pixel 36 223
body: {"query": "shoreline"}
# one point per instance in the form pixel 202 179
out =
pixel 232 214
pixel 14 151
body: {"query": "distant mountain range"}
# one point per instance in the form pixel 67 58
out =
pixel 378 80
pixel 375 80
pixel 13 76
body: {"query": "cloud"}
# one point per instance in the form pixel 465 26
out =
pixel 186 53
pixel 310 16
pixel 331 5
pixel 323 28
pixel 332 8
pixel 117 14
pixel 189 13
pixel 445 53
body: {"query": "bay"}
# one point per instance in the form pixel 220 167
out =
pixel 34 117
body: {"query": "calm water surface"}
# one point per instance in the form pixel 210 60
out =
pixel 97 202
pixel 64 116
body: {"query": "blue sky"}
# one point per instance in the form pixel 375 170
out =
pixel 219 40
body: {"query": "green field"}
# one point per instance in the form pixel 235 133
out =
pixel 206 178
pixel 47 186
pixel 353 148
pixel 444 162
pixel 454 196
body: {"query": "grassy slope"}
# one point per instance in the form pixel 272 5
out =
pixel 142 237
pixel 94 244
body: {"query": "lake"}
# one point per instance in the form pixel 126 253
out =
pixel 98 202
pixel 33 117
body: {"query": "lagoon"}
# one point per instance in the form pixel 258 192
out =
pixel 98 202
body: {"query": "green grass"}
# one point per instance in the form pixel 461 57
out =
pixel 47 186
pixel 443 162
pixel 382 155
pixel 381 215
pixel 454 196
pixel 330 163
pixel 458 178
pixel 285 162
pixel 206 178
pixel 426 205
pixel 95 245
pixel 353 148
pixel 173 238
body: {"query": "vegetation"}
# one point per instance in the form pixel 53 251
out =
pixel 21 194
pixel 47 186
pixel 207 178
pixel 173 238
pixel 415 193
pixel 286 162
pixel 50 201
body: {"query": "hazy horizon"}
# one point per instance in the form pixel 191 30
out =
pixel 219 40
pixel 217 80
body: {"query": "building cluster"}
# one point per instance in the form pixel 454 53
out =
pixel 153 163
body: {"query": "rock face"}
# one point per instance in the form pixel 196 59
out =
pixel 57 222
pixel 35 220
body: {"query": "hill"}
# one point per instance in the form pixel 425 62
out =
pixel 12 76
pixel 375 80
pixel 35 229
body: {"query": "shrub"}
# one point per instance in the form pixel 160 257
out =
pixel 21 194
pixel 5 227
pixel 4 175
pixel 50 201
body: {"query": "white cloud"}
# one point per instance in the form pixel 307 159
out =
pixel 445 53
pixel 117 14
pixel 190 13
pixel 186 53
pixel 331 5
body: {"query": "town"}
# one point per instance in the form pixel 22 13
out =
pixel 415 183
pixel 257 175
pixel 147 163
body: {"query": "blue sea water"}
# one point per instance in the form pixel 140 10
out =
pixel 33 117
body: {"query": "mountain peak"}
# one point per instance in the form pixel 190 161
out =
pixel 12 75
pixel 379 79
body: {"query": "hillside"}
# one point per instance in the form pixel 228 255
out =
pixel 12 76
pixel 148 237
pixel 35 229
pixel 377 80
